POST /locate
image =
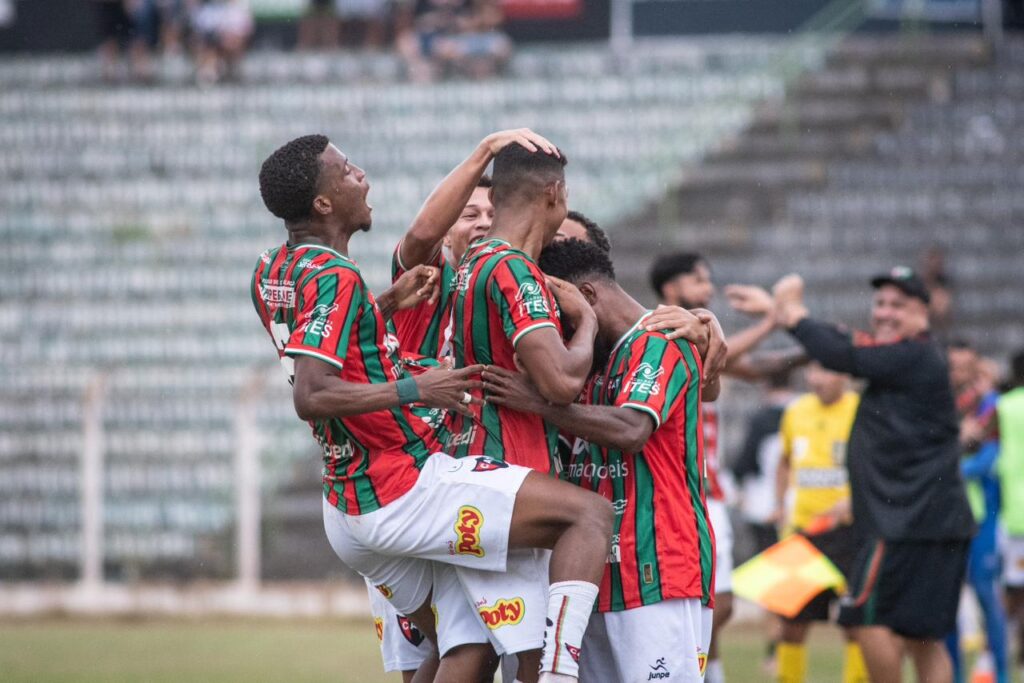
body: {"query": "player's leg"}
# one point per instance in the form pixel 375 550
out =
pixel 722 525
pixel 983 576
pixel 883 653
pixel 403 647
pixel 792 651
pixel 463 642
pixel 854 668
pixel 576 525
pixel 597 664
pixel 931 660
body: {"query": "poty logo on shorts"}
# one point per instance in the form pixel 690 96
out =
pixel 658 670
pixel 467 529
pixel 503 613
pixel 385 590
pixel 531 300
pixel 645 380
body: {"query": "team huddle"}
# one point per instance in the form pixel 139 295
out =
pixel 513 445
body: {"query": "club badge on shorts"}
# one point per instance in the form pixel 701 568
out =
pixel 488 464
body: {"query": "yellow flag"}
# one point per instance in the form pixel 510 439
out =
pixel 786 576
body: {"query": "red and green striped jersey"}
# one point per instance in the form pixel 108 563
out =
pixel 421 328
pixel 663 544
pixel 500 296
pixel 313 302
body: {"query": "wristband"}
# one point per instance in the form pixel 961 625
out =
pixel 408 392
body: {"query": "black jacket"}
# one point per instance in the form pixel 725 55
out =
pixel 904 455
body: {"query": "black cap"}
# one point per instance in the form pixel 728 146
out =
pixel 905 280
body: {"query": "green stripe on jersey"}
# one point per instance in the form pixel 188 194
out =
pixel 648 569
pixel 693 471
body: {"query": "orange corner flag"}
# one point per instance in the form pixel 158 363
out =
pixel 786 576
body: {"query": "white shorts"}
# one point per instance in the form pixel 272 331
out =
pixel 666 641
pixel 508 608
pixel 458 512
pixel 1013 561
pixel 402 646
pixel 454 616
pixel 720 524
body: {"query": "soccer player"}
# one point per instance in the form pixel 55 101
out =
pixel 641 447
pixel 1010 410
pixel 976 401
pixel 392 505
pixel 812 481
pixel 910 510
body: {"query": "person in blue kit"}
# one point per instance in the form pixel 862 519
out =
pixel 976 400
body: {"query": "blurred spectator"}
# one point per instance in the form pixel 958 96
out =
pixel 369 15
pixel 1010 410
pixel 222 31
pixel 319 28
pixel 940 288
pixel 460 36
pixel 116 21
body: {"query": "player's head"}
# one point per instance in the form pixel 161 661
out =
pixel 585 265
pixel 579 227
pixel 827 385
pixel 523 179
pixel 1017 369
pixel 682 279
pixel 473 222
pixel 899 308
pixel 963 364
pixel 309 180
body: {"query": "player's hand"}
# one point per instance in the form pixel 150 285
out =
pixel 571 302
pixel 750 299
pixel 442 387
pixel 789 290
pixel 683 325
pixel 495 142
pixel 512 390
pixel 422 283
pixel 715 354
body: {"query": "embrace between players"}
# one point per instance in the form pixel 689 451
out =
pixel 444 482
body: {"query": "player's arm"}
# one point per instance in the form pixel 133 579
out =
pixel 559 370
pixel 701 328
pixel 444 205
pixel 624 429
pixel 412 287
pixel 319 393
pixel 783 471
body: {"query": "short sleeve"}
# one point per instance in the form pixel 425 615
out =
pixel 522 297
pixel 659 377
pixel 326 310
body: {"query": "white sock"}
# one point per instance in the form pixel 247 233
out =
pixel 570 604
pixel 715 673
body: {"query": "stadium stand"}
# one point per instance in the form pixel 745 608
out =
pixel 131 220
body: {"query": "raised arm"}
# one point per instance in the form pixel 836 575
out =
pixel 444 205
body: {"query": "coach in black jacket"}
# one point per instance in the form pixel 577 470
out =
pixel 909 504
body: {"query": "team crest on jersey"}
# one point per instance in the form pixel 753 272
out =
pixel 467 530
pixel 488 464
pixel 645 380
pixel 409 630
pixel 378 626
pixel 503 613
pixel 574 652
pixel 531 300
pixel 385 590
pixel 318 321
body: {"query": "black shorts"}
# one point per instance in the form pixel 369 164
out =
pixel 840 546
pixel 912 587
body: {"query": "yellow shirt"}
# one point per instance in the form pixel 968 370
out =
pixel 814 439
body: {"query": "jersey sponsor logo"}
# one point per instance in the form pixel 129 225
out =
pixel 503 613
pixel 467 529
pixel 616 470
pixel 464 439
pixel 277 293
pixel 645 380
pixel 433 418
pixel 574 652
pixel 318 321
pixel 265 257
pixel 619 505
pixel 531 300
pixel 615 553
pixel 658 670
pixel 308 263
pixel 391 344
pixel 488 464
pixel 409 630
pixel 378 626
pixel 335 451
pixel 385 590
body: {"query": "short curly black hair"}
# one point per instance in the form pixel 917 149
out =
pixel 669 266
pixel 289 177
pixel 596 235
pixel 574 260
